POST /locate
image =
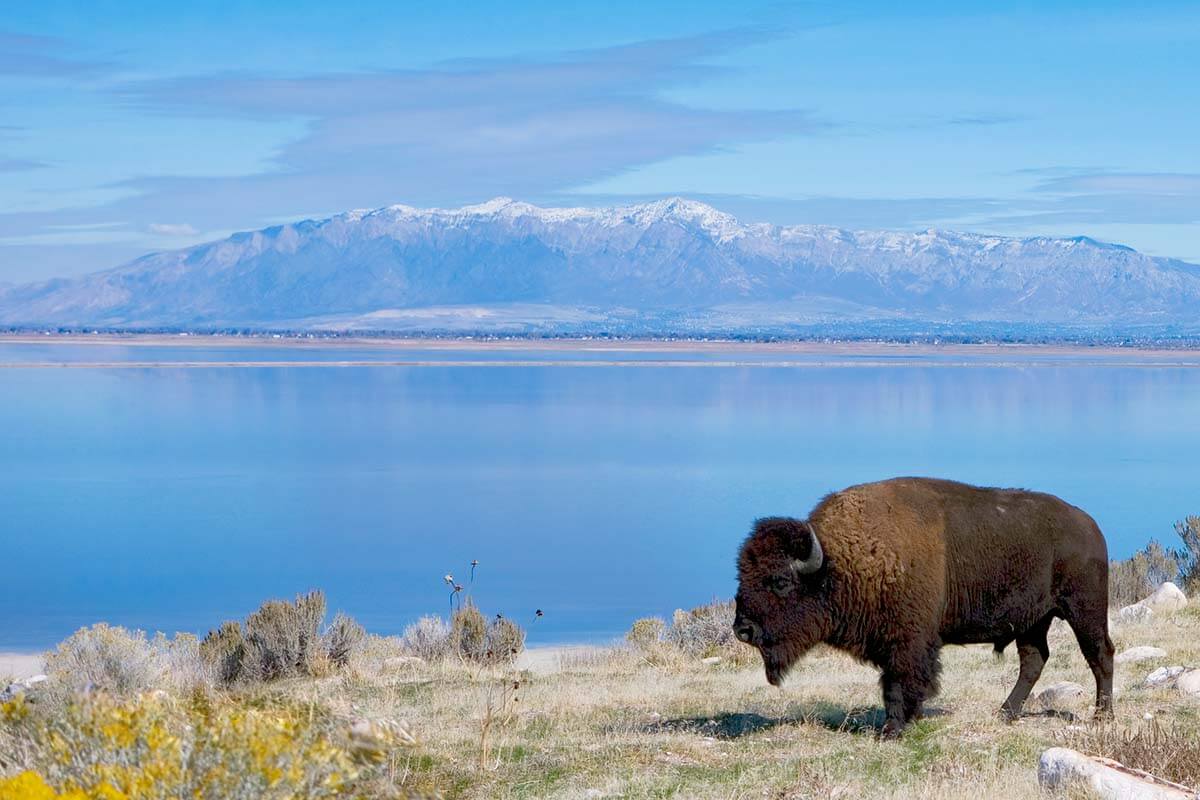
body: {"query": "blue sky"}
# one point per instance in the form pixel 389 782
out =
pixel 127 127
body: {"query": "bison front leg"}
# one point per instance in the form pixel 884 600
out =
pixel 907 682
pixel 893 705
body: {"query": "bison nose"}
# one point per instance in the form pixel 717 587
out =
pixel 747 631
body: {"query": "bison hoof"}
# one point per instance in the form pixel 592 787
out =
pixel 891 729
pixel 1010 714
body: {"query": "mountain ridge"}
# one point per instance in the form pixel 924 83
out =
pixel 672 266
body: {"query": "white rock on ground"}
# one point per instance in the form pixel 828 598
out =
pixel 1061 696
pixel 1143 653
pixel 20 687
pixel 711 660
pixel 1166 598
pixel 1188 683
pixel 1163 676
pixel 1134 613
pixel 1063 769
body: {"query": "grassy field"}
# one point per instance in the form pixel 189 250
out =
pixel 590 724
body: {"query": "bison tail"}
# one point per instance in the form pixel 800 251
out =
pixel 998 650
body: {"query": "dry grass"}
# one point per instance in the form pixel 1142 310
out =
pixel 621 724
pixel 1171 752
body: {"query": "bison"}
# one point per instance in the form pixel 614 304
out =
pixel 892 571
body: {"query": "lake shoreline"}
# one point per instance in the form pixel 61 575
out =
pixel 539 659
pixel 649 344
pixel 20 665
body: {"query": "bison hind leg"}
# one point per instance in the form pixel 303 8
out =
pixel 1033 651
pixel 998 647
pixel 1091 631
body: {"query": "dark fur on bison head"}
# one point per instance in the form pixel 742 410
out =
pixel 782 606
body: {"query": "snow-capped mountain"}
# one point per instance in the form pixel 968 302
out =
pixel 673 266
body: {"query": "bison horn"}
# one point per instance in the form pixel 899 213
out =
pixel 816 557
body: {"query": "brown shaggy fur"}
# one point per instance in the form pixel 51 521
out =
pixel 912 564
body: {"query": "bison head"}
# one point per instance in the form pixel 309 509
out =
pixel 781 598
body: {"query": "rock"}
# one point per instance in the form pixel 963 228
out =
pixel 1163 676
pixel 1068 770
pixel 1061 696
pixel 20 687
pixel 711 660
pixel 1143 653
pixel 1188 683
pixel 1166 598
pixel 1134 613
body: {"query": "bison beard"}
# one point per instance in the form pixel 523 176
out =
pixel 892 571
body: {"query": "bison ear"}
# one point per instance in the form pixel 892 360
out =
pixel 805 549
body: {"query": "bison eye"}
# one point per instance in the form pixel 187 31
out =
pixel 778 584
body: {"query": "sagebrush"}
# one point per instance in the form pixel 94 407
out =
pixel 428 638
pixel 282 639
pixel 1136 577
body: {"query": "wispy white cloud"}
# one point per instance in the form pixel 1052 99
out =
pixel 1160 183
pixel 457 132
pixel 172 229
pixel 1085 197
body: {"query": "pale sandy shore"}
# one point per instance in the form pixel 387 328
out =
pixel 19 665
pixel 551 659
pixel 805 347
pixel 578 353
pixel 539 660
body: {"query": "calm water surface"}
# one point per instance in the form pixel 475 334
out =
pixel 155 493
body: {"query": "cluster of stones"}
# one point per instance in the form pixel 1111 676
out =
pixel 1086 776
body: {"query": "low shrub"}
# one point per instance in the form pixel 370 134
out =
pixel 646 632
pixel 1189 557
pixel 468 633
pixel 104 658
pixel 281 639
pixel 223 650
pixel 505 640
pixel 700 632
pixel 427 638
pixel 468 636
pixel 153 747
pixel 1138 576
pixel 704 630
pixel 342 639
pixel 184 665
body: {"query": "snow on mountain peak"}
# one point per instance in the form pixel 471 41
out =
pixel 652 259
pixel 719 225
pixel 493 206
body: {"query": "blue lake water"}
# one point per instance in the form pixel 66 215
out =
pixel 173 487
